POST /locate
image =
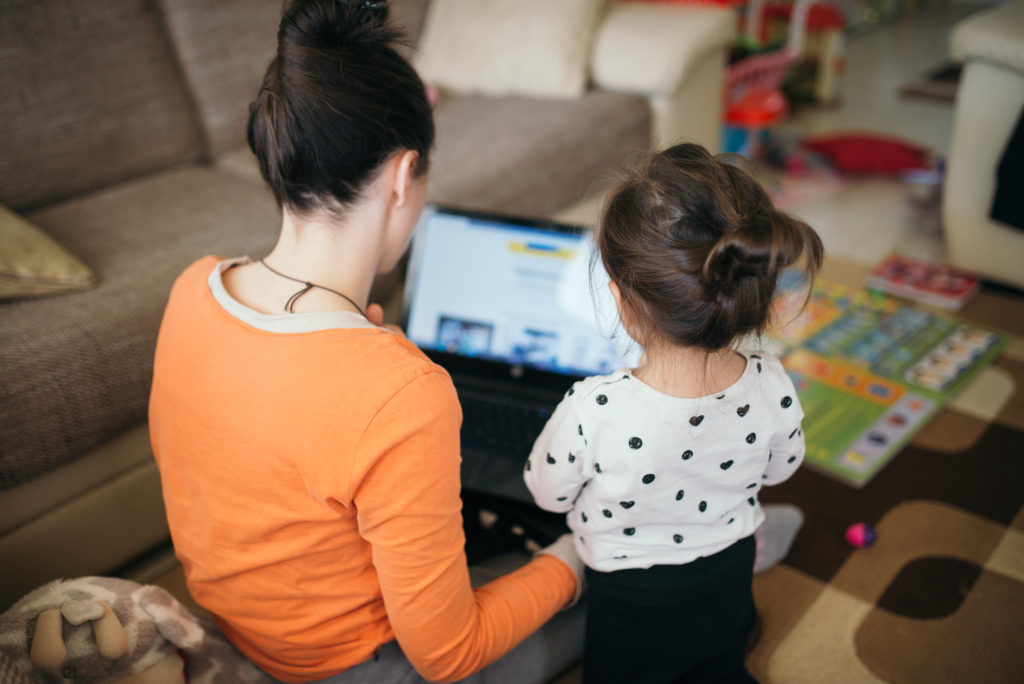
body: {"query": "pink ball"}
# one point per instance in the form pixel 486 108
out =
pixel 861 535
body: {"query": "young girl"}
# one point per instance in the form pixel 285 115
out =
pixel 309 456
pixel 659 467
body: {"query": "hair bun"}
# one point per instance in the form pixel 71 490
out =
pixel 338 23
pixel 378 9
pixel 741 253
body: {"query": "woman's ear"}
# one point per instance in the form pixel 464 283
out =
pixel 405 176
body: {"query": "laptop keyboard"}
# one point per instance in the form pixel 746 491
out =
pixel 501 426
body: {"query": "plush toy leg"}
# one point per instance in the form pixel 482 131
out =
pixel 48 651
pixel 111 640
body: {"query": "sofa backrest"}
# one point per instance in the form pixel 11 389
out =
pixel 90 95
pixel 224 48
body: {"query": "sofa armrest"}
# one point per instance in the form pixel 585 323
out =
pixel 995 35
pixel 650 48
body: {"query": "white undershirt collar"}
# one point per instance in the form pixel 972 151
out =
pixel 283 322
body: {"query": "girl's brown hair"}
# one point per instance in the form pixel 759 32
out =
pixel 335 103
pixel 696 248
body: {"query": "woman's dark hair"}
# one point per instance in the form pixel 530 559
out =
pixel 696 248
pixel 336 102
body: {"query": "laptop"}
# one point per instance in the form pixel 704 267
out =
pixel 505 305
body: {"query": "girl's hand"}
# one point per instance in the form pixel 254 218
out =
pixel 375 314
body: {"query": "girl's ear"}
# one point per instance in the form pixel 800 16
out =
pixel 626 315
pixel 405 176
pixel 616 295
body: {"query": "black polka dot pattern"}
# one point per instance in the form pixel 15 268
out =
pixel 629 531
pixel 696 420
pixel 726 465
pixel 597 467
pixel 551 459
pixel 703 506
pixel 687 455
pixel 648 478
pixel 635 442
pixel 677 538
pixel 791 459
pixel 572 458
pixel 786 402
pixel 583 516
pixel 751 501
pixel 627 504
pixel 679 495
pixel 601 399
pixel 581 430
pixel 742 410
pixel 606 513
pixel 562 498
pixel 751 438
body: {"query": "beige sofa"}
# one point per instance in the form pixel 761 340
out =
pixel 989 101
pixel 122 137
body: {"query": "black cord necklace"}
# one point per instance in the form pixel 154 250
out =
pixel 289 306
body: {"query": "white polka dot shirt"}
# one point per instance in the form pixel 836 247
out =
pixel 649 479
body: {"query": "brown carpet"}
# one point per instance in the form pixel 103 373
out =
pixel 940 596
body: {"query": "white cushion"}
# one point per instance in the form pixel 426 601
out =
pixel 651 48
pixel 536 48
pixel 995 35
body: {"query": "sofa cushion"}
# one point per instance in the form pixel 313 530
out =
pixel 82 113
pixel 77 369
pixel 224 48
pixel 509 47
pixel 525 156
pixel 33 263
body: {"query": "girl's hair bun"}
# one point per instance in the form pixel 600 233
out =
pixel 741 253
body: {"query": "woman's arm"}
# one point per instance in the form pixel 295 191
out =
pixel 409 509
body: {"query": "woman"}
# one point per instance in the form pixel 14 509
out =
pixel 309 456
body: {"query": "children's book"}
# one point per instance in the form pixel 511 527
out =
pixel 935 284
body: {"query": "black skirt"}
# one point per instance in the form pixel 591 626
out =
pixel 672 623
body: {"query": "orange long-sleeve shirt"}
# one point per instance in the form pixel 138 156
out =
pixel 312 489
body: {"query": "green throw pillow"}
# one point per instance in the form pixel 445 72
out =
pixel 32 263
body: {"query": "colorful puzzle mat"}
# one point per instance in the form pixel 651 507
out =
pixel 871 370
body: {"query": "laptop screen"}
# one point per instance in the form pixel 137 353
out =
pixel 508 291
